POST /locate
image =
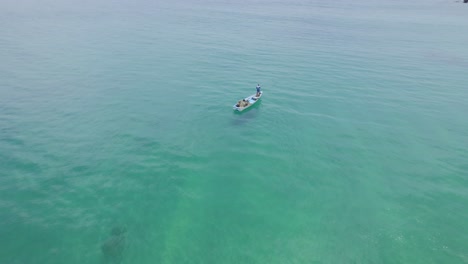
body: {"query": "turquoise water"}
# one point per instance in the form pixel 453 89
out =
pixel 118 115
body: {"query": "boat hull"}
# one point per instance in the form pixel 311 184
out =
pixel 252 99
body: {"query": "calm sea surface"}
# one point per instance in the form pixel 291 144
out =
pixel 118 143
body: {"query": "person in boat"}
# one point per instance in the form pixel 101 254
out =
pixel 258 90
pixel 242 103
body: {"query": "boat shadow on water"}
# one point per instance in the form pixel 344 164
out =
pixel 246 116
pixel 113 248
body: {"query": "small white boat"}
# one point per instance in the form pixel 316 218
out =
pixel 250 100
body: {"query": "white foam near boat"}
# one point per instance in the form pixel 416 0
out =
pixel 251 100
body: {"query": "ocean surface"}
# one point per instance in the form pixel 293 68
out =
pixel 118 142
